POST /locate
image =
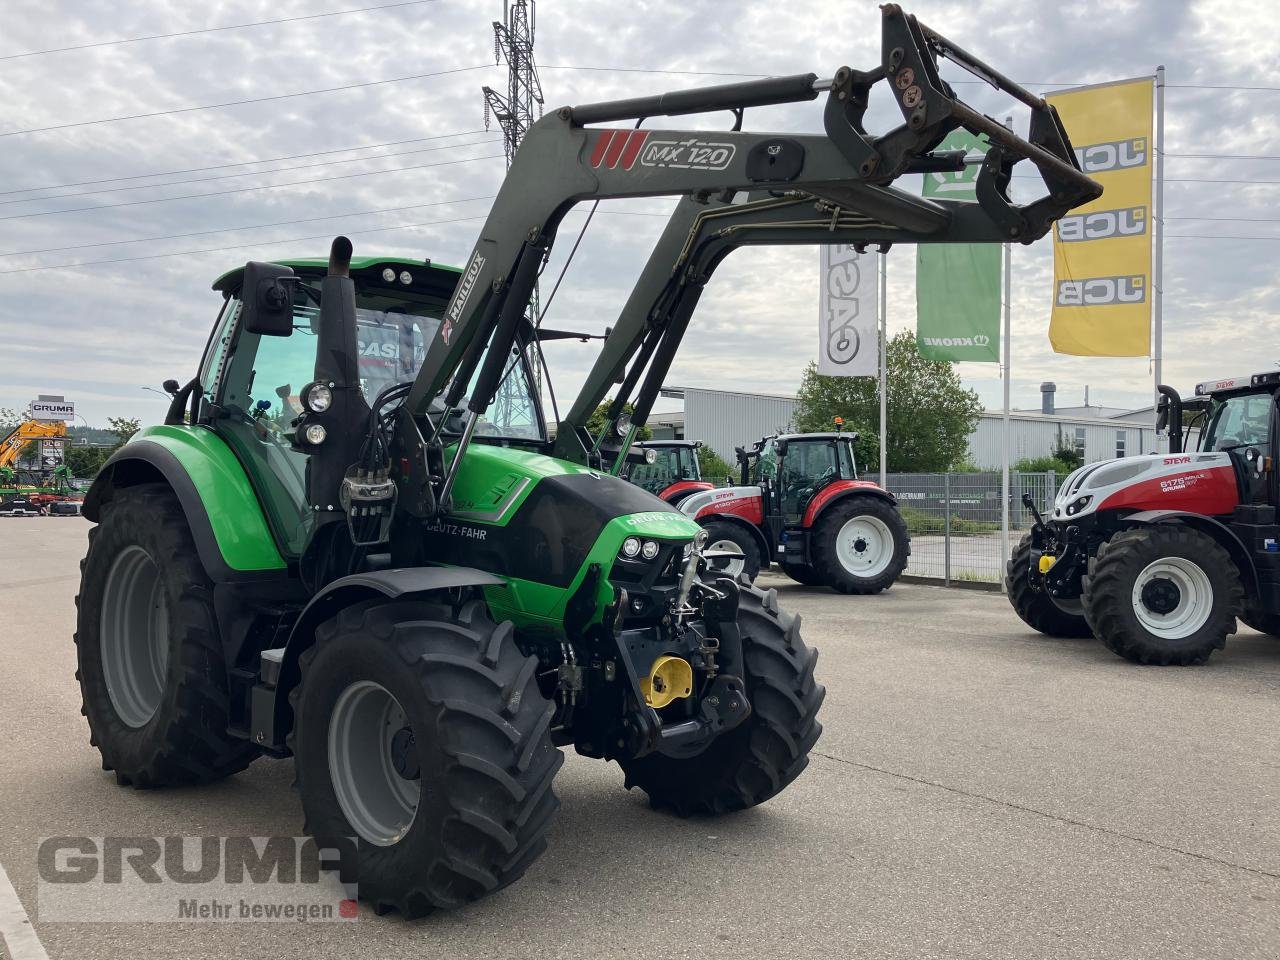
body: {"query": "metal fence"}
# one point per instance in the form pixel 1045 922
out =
pixel 954 520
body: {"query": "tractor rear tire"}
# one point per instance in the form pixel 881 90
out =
pixel 420 730
pixel 756 760
pixel 1162 594
pixel 1268 623
pixel 867 521
pixel 149 656
pixel 720 532
pixel 802 573
pixel 1036 608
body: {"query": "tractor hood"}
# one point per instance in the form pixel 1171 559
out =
pixel 543 524
pixel 1198 482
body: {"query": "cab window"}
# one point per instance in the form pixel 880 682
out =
pixel 1239 421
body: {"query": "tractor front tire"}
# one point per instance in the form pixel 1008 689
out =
pixel 1036 608
pixel 419 730
pixel 756 760
pixel 149 656
pixel 1162 594
pixel 860 545
pixel 721 533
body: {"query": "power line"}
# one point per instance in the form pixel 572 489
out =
pixel 248 226
pixel 251 173
pixel 238 103
pixel 264 243
pixel 1196 236
pixel 267 186
pixel 1223 156
pixel 1232 219
pixel 762 76
pixel 242 163
pixel 238 246
pixel 233 26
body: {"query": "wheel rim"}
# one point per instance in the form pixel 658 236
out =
pixel 864 546
pixel 373 763
pixel 733 568
pixel 135 636
pixel 1172 598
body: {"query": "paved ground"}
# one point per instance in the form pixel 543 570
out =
pixel 979 792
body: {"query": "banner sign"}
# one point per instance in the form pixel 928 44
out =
pixel 52 410
pixel 958 284
pixel 847 336
pixel 1102 251
pixel 52 452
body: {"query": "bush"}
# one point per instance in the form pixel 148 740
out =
pixel 714 468
pixel 1043 465
pixel 921 522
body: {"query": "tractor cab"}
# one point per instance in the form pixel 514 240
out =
pixel 1237 417
pixel 792 469
pixel 672 473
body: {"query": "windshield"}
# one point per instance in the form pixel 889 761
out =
pixel 392 335
pixel 1239 421
pixel 670 465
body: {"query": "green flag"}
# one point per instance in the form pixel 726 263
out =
pixel 958 284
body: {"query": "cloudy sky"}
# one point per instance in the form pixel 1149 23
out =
pixel 405 167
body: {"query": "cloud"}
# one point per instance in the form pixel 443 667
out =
pixel 100 333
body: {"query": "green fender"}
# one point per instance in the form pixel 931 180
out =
pixel 225 516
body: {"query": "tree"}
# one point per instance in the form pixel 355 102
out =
pixel 714 468
pixel 85 462
pixel 930 413
pixel 596 422
pixel 122 428
pixel 9 418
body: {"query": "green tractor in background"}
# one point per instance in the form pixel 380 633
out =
pixel 353 543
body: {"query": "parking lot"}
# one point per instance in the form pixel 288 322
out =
pixel 979 791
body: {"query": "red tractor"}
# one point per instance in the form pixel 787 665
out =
pixel 802 505
pixel 673 473
pixel 1158 555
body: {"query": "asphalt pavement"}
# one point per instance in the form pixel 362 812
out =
pixel 979 791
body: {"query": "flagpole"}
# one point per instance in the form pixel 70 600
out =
pixel 1157 293
pixel 1004 426
pixel 884 367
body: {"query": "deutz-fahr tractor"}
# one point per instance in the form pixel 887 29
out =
pixel 1158 555
pixel 352 543
pixel 672 474
pixel 802 506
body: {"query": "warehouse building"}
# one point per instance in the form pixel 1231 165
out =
pixel 724 419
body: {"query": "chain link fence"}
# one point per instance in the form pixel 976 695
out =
pixel 954 520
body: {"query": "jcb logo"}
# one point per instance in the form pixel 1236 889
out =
pixel 1113 155
pixel 1103 224
pixel 1102 291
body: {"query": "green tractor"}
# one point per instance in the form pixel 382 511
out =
pixel 352 543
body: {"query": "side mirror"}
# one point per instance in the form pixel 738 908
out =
pixel 1253 456
pixel 266 299
pixel 1162 414
pixel 782 448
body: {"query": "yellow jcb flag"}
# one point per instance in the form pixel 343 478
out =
pixel 1102 251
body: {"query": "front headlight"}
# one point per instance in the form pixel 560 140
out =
pixel 631 547
pixel 649 550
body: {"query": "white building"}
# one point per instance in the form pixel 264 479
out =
pixel 724 419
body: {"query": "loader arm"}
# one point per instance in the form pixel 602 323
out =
pixel 562 162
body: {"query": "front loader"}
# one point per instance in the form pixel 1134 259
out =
pixel 352 543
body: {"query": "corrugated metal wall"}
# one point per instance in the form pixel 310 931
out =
pixel 1038 437
pixel 722 419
